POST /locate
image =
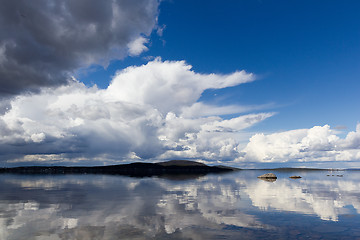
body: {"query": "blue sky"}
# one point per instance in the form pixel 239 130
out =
pixel 298 107
pixel 306 55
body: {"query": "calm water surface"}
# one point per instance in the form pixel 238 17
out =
pixel 228 206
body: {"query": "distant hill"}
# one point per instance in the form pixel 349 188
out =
pixel 183 163
pixel 137 169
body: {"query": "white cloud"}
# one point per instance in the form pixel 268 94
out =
pixel 153 112
pixel 303 145
pixel 137 46
pixel 209 138
pixel 144 113
pixel 352 140
pixel 168 86
pixel 201 109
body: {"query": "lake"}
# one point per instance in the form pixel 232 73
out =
pixel 238 205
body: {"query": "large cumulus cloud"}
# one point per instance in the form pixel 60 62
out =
pixel 144 113
pixel 152 112
pixel 43 41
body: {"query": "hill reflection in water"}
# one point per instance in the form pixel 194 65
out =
pixel 227 206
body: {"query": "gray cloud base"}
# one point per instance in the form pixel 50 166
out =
pixel 43 41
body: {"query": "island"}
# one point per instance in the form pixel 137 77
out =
pixel 137 169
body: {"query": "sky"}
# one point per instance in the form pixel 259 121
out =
pixel 245 83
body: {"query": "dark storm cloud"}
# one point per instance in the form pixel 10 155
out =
pixel 42 42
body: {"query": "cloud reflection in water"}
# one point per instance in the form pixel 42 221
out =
pixel 111 207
